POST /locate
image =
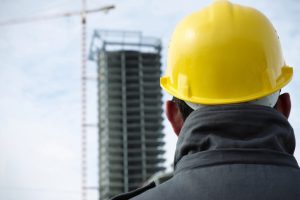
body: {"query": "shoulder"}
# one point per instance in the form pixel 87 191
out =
pixel 134 193
pixel 155 184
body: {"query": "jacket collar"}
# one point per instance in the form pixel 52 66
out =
pixel 237 129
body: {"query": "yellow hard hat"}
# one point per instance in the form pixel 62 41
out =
pixel 225 53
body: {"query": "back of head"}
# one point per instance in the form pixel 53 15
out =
pixel 224 54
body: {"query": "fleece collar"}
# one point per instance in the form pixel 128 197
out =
pixel 246 128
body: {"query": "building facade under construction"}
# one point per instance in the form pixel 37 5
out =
pixel 130 110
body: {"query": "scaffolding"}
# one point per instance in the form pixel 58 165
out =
pixel 130 109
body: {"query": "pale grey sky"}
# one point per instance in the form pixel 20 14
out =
pixel 40 86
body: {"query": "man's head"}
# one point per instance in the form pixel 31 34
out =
pixel 224 54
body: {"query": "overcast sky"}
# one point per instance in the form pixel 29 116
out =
pixel 40 86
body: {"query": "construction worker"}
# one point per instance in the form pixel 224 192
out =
pixel 225 71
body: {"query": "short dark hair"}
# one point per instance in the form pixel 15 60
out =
pixel 184 109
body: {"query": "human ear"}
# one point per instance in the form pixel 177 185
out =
pixel 174 116
pixel 283 104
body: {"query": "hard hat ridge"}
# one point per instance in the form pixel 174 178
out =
pixel 225 53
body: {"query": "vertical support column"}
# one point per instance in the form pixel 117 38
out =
pixel 104 170
pixel 142 116
pixel 100 123
pixel 124 126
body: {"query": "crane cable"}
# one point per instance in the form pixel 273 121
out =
pixel 83 103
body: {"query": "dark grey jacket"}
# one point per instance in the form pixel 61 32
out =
pixel 231 153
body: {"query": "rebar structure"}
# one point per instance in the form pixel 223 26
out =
pixel 130 109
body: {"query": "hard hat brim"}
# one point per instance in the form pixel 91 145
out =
pixel 166 84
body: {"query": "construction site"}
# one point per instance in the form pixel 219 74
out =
pixel 83 113
pixel 129 104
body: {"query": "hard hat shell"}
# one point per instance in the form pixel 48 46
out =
pixel 225 53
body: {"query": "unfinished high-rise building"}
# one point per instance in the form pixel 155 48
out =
pixel 130 110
